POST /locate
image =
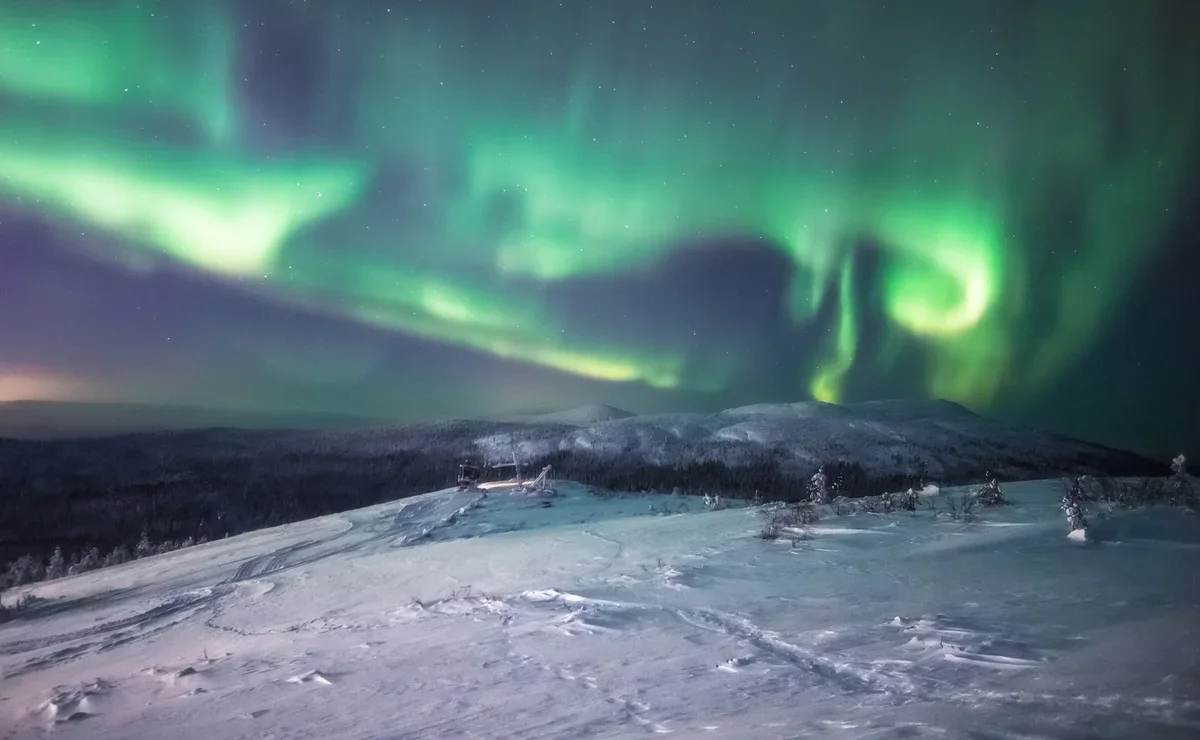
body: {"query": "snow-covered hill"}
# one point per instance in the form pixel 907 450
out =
pixel 885 437
pixel 455 615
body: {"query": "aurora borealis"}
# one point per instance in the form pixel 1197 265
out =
pixel 657 203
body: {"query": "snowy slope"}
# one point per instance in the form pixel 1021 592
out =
pixel 456 615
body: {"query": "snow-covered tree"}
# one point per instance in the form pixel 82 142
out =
pixel 1179 465
pixel 89 561
pixel 818 492
pixel 1073 502
pixel 120 554
pixel 143 548
pixel 1180 486
pixel 57 567
pixel 990 494
pixel 23 570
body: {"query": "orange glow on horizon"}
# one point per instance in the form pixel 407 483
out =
pixel 33 383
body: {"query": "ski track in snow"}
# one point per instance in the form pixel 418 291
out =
pixel 434 616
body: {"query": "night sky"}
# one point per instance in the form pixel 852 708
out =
pixel 461 207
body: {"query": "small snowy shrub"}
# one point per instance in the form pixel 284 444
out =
pixel 961 509
pixel 801 541
pixel 906 501
pixel 770 530
pixel 668 509
pixel 1128 494
pixel 868 505
pixel 990 494
pixel 799 515
pixel 1179 465
pixel 1145 492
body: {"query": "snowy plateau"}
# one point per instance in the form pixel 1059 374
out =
pixel 499 614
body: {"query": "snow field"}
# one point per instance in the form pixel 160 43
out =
pixel 459 614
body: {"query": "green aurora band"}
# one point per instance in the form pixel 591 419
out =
pixel 595 142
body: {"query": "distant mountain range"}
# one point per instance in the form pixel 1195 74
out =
pixel 73 420
pixel 884 437
pixel 66 419
pixel 582 416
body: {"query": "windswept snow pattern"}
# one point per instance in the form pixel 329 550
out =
pixel 509 615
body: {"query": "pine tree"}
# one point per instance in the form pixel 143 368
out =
pixel 1072 506
pixel 143 548
pixel 57 567
pixel 23 570
pixel 818 493
pixel 89 561
pixel 990 494
pixel 119 554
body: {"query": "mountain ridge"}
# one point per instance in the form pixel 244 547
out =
pixel 56 420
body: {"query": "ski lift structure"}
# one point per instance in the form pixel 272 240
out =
pixel 483 477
